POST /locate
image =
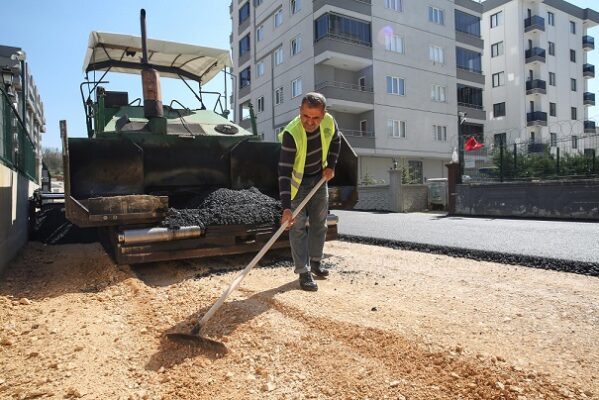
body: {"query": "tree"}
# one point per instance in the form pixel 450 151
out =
pixel 53 159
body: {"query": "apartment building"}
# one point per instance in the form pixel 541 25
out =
pixel 21 124
pixel 537 73
pixel 395 73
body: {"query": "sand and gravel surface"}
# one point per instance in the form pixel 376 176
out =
pixel 387 324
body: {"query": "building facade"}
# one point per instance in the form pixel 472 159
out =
pixel 21 124
pixel 537 73
pixel 395 74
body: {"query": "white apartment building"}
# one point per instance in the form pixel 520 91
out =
pixel 537 73
pixel 395 74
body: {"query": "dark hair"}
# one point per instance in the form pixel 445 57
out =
pixel 314 100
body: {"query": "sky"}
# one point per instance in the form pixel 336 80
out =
pixel 54 34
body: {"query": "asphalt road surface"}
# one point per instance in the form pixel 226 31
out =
pixel 566 240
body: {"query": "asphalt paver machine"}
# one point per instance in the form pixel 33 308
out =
pixel 142 156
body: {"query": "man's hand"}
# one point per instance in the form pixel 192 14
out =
pixel 287 217
pixel 328 174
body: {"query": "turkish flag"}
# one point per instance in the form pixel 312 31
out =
pixel 472 144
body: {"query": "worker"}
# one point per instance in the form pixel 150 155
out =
pixel 309 150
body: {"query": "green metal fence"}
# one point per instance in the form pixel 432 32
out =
pixel 501 159
pixel 17 151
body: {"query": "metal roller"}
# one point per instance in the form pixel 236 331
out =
pixel 151 235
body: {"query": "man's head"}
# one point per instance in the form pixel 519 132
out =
pixel 312 111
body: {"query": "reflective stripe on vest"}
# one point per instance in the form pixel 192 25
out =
pixel 298 133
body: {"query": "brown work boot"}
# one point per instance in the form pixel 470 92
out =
pixel 307 282
pixel 318 270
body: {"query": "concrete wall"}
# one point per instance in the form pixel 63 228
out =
pixel 414 198
pixel 373 198
pixel 15 190
pixel 570 200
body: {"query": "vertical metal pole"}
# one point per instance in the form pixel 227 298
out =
pixel 557 160
pixel 515 160
pixel 460 150
pixel 24 92
pixel 501 160
pixel 253 119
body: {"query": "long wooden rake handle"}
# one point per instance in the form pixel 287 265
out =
pixel 242 274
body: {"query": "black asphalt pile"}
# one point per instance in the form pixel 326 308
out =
pixel 226 207
pixel 52 227
pixel 576 267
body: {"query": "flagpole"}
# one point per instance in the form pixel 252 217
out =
pixel 461 120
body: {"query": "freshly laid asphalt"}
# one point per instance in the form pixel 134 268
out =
pixel 552 239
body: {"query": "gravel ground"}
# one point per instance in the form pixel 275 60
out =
pixel 387 324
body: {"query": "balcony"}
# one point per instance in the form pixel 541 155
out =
pixel 245 91
pixel 359 139
pixel 588 70
pixel 345 91
pixel 474 111
pixel 341 52
pixel 534 23
pixel 588 42
pixel 589 98
pixel 362 7
pixel 535 54
pixel 589 126
pixel 536 118
pixel 536 86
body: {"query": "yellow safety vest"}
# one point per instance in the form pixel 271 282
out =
pixel 297 131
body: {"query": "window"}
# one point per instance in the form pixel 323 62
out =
pixel 396 128
pixel 469 96
pixel 296 45
pixel 551 48
pixel 438 93
pixel 436 15
pixel 394 43
pixel 552 78
pixel 553 140
pixel 346 28
pixel 550 18
pixel 468 60
pixel 573 55
pixel 552 109
pixel 496 19
pixel 245 78
pixel 499 110
pixel 573 84
pixel 467 23
pixel 295 6
pixel 279 96
pixel 260 33
pixel 435 54
pixel 257 3
pixel 574 113
pixel 499 139
pixel 362 83
pixel 259 69
pixel 415 171
pixel 498 79
pixel 440 133
pixel 573 27
pixel 574 142
pixel 497 49
pixel 278 18
pixel 279 56
pixel 396 86
pixel 260 102
pixel 244 12
pixel 363 127
pixel 244 45
pixel 296 87
pixel 394 5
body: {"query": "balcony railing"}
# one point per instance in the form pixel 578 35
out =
pixel 536 118
pixel 589 98
pixel 535 54
pixel 535 86
pixel 345 38
pixel 588 70
pixel 588 42
pixel 589 126
pixel 343 85
pixel 534 23
pixel 356 133
pixel 470 105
